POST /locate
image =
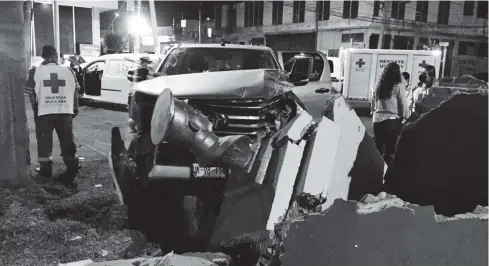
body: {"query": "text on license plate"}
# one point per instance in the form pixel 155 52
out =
pixel 209 172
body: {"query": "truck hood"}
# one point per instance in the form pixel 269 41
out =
pixel 256 83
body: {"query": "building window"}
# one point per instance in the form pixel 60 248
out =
pixel 443 12
pixel 323 10
pixel 386 41
pixel 299 11
pixel 482 9
pixel 376 8
pixel 422 11
pixel 354 37
pixel 482 49
pixel 373 42
pixel 422 41
pixel 467 48
pixel 350 9
pixel 253 14
pixel 277 12
pixel 218 16
pixel 232 16
pixel 403 42
pixel 469 8
pixel 398 9
pixel 258 13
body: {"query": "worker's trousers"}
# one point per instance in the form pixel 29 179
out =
pixel 63 125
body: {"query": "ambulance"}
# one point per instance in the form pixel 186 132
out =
pixel 363 68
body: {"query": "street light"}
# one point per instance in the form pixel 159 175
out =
pixel 116 14
pixel 137 25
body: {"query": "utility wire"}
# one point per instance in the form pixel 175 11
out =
pixel 404 22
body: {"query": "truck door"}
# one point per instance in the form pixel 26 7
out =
pixel 358 77
pixel 419 61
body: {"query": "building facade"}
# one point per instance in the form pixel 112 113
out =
pixel 329 25
pixel 79 23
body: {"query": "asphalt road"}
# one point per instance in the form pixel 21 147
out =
pixel 92 130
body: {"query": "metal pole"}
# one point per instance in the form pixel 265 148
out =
pixel 200 21
pixel 33 37
pixel 154 26
pixel 56 27
pixel 137 41
pixel 74 31
pixel 444 61
pixel 317 24
pixel 382 25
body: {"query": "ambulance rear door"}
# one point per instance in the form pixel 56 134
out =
pixel 358 71
pixel 418 63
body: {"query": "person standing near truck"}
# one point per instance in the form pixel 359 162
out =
pixel 141 73
pixel 423 88
pixel 53 92
pixel 389 108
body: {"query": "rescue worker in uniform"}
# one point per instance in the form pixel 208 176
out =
pixel 139 74
pixel 53 92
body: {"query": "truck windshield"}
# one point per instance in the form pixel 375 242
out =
pixel 198 60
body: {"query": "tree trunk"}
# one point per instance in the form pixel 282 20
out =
pixel 14 167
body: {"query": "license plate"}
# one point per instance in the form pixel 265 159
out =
pixel 209 172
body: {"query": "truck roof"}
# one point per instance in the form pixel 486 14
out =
pixel 229 46
pixel 131 56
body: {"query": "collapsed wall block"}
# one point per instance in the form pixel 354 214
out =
pixel 248 208
pixel 441 158
pixel 338 161
pixel 385 231
pixel 358 168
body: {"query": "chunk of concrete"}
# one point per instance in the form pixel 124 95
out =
pixel 169 259
pixel 385 231
pixel 359 167
pixel 441 158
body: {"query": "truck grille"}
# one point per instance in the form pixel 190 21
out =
pixel 233 117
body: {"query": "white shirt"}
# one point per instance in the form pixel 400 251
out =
pixel 55 89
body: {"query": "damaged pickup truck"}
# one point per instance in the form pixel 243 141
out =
pixel 207 139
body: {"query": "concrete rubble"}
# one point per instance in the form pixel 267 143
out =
pixel 170 259
pixel 441 158
pixel 384 230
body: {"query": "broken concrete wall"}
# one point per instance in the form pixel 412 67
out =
pixel 441 159
pixel 386 231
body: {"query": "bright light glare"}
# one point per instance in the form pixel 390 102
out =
pixel 116 14
pixel 137 25
pixel 437 52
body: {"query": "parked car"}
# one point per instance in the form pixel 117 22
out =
pixel 104 79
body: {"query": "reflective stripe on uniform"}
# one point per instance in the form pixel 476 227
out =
pixel 29 91
pixel 45 159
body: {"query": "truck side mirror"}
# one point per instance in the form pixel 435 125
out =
pixel 298 79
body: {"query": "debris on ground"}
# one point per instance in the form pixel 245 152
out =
pixel 441 158
pixel 69 224
pixel 383 230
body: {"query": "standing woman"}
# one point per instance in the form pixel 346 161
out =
pixel 389 107
pixel 426 80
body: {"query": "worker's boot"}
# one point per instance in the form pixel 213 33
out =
pixel 45 169
pixel 72 168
